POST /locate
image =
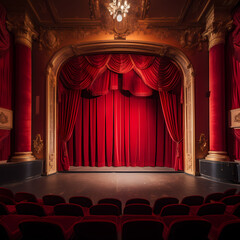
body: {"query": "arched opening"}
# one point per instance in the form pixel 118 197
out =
pixel 123 47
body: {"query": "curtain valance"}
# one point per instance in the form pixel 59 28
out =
pixel 158 73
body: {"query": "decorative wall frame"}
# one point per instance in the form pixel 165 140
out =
pixel 234 118
pixel 61 56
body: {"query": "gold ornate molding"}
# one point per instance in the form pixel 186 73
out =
pixel 192 38
pixel 201 147
pixel 48 39
pixel 3 118
pixel 217 156
pixel 22 157
pixel 217 24
pixel 37 144
pixel 23 29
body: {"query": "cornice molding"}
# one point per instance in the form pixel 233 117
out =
pixel 23 29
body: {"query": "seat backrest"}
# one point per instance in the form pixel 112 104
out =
pixel 3 209
pixel 236 210
pixel 3 233
pixel 229 230
pixel 40 230
pixel 231 200
pixel 113 201
pixel 92 230
pixel 7 200
pixel 211 208
pixel 213 197
pixel 161 202
pixel 82 201
pixel 175 209
pixel 28 208
pixel 52 199
pixel 6 192
pixel 137 201
pixel 68 209
pixel 194 200
pixel 230 192
pixel 104 209
pixel 25 196
pixel 142 229
pixel 188 229
pixel 138 209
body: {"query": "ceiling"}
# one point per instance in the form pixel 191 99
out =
pixel 68 13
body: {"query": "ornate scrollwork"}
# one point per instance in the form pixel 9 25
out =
pixel 37 144
pixel 3 118
pixel 201 147
pixel 162 51
pixel 237 118
pixel 48 40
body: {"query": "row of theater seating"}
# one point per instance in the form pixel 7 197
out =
pixel 24 215
pixel 27 227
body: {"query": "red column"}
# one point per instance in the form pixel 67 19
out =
pixel 217 124
pixel 23 91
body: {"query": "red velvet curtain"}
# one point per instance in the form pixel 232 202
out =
pixel 93 72
pixel 233 77
pixel 5 81
pixel 120 129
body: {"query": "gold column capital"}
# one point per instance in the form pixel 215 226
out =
pixel 23 29
pixel 218 22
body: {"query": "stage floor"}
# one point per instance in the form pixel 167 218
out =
pixel 122 169
pixel 121 185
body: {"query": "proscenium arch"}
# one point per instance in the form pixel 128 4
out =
pixel 61 56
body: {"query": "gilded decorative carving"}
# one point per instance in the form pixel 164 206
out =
pixel 48 39
pixel 51 76
pixel 217 25
pixel 3 118
pixel 162 51
pixel 237 118
pixel 51 161
pixel 192 38
pixel 94 9
pixel 37 144
pixel 234 118
pixel 201 147
pixel 23 29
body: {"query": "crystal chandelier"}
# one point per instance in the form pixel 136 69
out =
pixel 118 10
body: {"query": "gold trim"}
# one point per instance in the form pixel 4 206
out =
pixel 22 157
pixel 217 156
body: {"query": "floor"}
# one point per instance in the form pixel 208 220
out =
pixel 121 185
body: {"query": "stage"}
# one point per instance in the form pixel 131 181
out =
pixel 121 170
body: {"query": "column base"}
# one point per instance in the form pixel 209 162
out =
pixel 217 156
pixel 22 157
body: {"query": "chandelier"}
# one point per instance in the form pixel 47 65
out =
pixel 118 10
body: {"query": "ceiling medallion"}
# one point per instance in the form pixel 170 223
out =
pixel 118 10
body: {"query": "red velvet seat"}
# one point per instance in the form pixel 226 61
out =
pixel 125 218
pixel 236 210
pixel 142 229
pixel 229 230
pixel 7 200
pixel 113 201
pixel 3 209
pixel 95 229
pixel 27 208
pixel 27 197
pixel 42 230
pixel 230 192
pixel 137 201
pixel 190 228
pixel 175 209
pixel 4 232
pixel 211 209
pixel 104 209
pixel 137 209
pixel 194 200
pixel 52 199
pixel 217 220
pixel 11 223
pixel 6 192
pixel 82 201
pixel 68 209
pixel 231 200
pixel 214 197
pixel 161 202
